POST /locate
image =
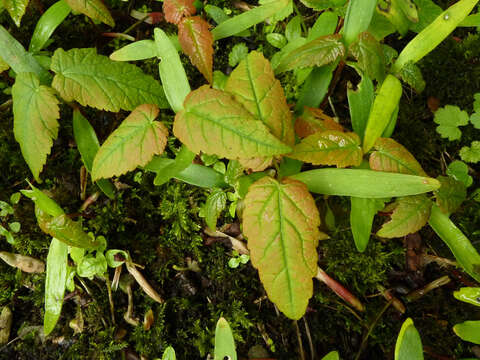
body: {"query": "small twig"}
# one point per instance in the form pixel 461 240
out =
pixel 309 337
pixel 110 298
pixel 299 338
pixel 370 329
pixel 236 244
pixel 417 294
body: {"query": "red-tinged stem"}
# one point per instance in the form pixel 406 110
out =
pixel 339 289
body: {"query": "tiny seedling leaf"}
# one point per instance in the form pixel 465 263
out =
pixel 134 143
pixel 281 221
pixel 99 82
pixel 213 122
pixel 215 204
pixel 35 125
pixel 388 155
pixel 169 354
pixel 409 215
pixel 329 147
pixel 449 119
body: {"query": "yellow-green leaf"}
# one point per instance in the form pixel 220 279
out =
pixel 213 122
pixel 253 85
pixel 391 156
pixel 468 331
pixel 134 143
pixel 410 214
pixel 35 125
pixel 94 9
pixel 99 82
pixel 281 223
pixel 330 147
pixel 16 9
pixel 409 344
pixel 65 230
pixel 3 65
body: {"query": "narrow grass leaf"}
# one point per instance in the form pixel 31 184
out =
pixel 138 50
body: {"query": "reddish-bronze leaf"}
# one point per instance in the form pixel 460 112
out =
pixel 392 157
pixel 175 10
pixel 197 42
pixel 315 120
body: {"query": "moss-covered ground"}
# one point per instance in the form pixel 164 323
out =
pixel 161 227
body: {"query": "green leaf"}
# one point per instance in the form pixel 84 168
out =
pixel 55 283
pixel 323 4
pixel 138 50
pixel 274 39
pixel 362 212
pixel 213 122
pixel 459 171
pixel 116 258
pixel 390 156
pixel 427 13
pixel 253 85
pixel 380 27
pixel 315 87
pixel 183 160
pixel 47 24
pixel 409 215
pixel 393 12
pixel 470 295
pixel 215 204
pixel 224 342
pixel 280 221
pixel 169 354
pixel 14 54
pixel 35 126
pixel 463 250
pixel 280 15
pixel 97 81
pixel 45 203
pixel 88 145
pixel 16 9
pixel 365 183
pixel 3 66
pixel 194 174
pixel 451 194
pixel 360 102
pixel 471 154
pixel 134 143
pixel 321 51
pixel 252 17
pixel 91 265
pixel 468 331
pixel 429 38
pixel 476 103
pixel 449 119
pixel 475 120
pixel 329 147
pixel 94 9
pixel 358 17
pixel 333 355
pixel 412 75
pixel 172 72
pixel 325 24
pixel 238 53
pixel 409 345
pixel 369 54
pixel 384 107
pixel 293 30
pixel 68 231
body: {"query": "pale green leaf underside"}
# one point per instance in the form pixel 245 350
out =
pixel 253 84
pixel 214 123
pixel 281 223
pixel 329 147
pixel 94 9
pixel 132 144
pixel 410 215
pixel 96 81
pixel 16 9
pixel 35 124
